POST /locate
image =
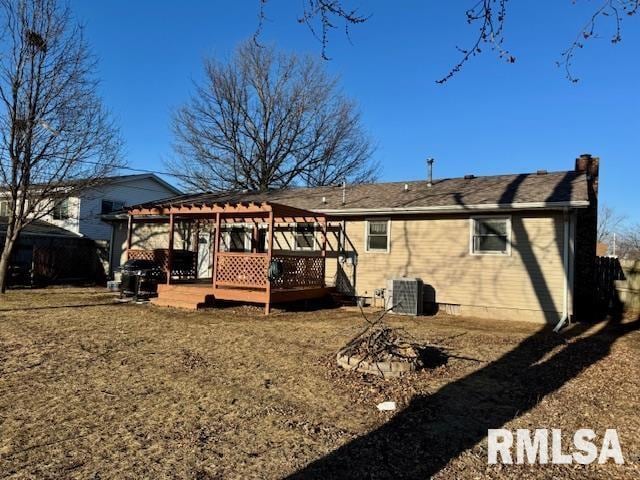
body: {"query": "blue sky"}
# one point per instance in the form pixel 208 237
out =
pixel 491 118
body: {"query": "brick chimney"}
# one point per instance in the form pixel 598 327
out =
pixel 585 307
pixel 591 166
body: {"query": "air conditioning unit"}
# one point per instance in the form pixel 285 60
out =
pixel 404 296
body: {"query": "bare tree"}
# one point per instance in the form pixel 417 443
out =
pixel 609 222
pixel 629 243
pixel 55 137
pixel 321 16
pixel 268 120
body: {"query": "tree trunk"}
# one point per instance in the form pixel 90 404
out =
pixel 5 258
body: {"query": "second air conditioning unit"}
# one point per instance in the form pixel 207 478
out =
pixel 404 296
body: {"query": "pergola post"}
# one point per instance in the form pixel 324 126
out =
pixel 129 233
pixel 216 247
pixel 170 252
pixel 254 237
pixel 323 253
pixel 267 305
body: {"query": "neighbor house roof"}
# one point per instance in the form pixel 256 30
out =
pixel 111 180
pixel 114 179
pixel 39 228
pixel 520 191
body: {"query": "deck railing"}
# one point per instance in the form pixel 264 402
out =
pixel 251 270
pixel 183 261
pixel 299 271
pixel 238 269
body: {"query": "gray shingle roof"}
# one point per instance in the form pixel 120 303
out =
pixel 519 190
pixel 39 227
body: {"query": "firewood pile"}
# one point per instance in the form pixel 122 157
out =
pixel 383 350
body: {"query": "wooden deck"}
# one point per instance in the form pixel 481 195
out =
pixel 260 273
pixel 193 296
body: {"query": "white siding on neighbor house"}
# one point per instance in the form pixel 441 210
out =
pixel 73 222
pixel 129 192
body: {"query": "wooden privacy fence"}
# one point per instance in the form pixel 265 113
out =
pixel 629 288
pixel 607 271
pixel 68 262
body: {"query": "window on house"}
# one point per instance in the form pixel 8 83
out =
pixel 305 236
pixel 491 236
pixel 5 209
pixel 377 236
pixel 109 206
pixel 61 210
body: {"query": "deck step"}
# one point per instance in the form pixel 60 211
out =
pixel 186 304
pixel 189 297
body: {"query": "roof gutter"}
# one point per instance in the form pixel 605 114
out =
pixel 459 208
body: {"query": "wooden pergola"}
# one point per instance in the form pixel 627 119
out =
pixel 238 276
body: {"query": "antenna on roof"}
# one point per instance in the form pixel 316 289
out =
pixel 430 171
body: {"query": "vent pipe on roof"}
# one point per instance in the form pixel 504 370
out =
pixel 430 170
pixel 344 192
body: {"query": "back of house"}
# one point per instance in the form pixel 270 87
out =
pixel 518 246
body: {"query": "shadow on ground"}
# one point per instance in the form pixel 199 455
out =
pixel 434 429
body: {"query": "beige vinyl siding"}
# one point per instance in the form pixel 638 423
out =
pixel 438 251
pixel 528 284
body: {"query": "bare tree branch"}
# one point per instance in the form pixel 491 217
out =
pixel 628 243
pixel 320 17
pixel 615 9
pixel 609 222
pixel 268 120
pixel 56 139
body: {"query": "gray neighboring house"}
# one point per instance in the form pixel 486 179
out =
pixel 80 217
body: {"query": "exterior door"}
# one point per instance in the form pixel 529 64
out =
pixel 205 260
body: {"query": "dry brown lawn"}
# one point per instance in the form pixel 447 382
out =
pixel 95 390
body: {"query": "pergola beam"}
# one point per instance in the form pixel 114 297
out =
pixel 243 208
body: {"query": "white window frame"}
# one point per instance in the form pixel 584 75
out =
pixel 5 204
pixel 472 233
pixel 56 205
pixel 366 235
pixel 298 248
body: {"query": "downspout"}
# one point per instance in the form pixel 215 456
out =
pixel 565 261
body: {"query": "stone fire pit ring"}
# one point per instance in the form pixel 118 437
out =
pixel 388 369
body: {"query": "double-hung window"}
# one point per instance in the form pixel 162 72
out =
pixel 61 210
pixel 5 208
pixel 491 236
pixel 377 236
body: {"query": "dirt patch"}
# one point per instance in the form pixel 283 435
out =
pixel 91 389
